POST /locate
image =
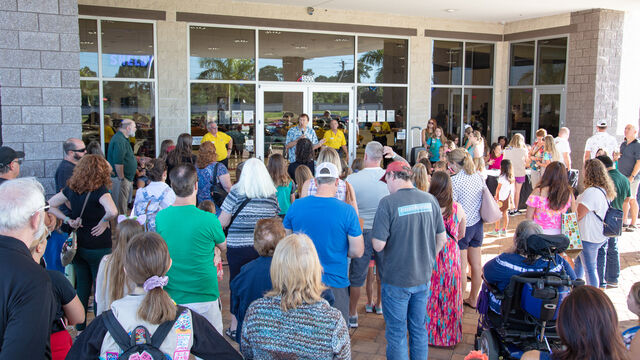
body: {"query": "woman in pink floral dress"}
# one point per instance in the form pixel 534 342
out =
pixel 444 308
pixel 550 199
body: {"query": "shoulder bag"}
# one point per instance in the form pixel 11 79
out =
pixel 612 222
pixel 70 246
pixel 235 214
pixel 218 193
pixel 489 210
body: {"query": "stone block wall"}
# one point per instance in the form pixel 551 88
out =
pixel 39 82
pixel 593 75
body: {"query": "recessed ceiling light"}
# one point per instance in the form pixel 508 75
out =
pixel 273 32
pixel 451 10
pixel 240 41
pixel 213 48
pixel 341 40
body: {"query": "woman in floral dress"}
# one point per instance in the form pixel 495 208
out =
pixel 444 309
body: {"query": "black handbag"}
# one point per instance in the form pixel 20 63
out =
pixel 612 223
pixel 218 193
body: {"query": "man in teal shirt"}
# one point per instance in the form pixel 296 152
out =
pixel 608 256
pixel 191 235
pixel 124 164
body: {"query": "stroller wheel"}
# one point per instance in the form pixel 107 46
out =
pixel 488 344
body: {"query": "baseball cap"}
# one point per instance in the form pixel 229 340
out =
pixel 327 170
pixel 7 155
pixel 602 123
pixel 396 166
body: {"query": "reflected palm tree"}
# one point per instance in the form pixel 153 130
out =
pixel 373 59
pixel 227 69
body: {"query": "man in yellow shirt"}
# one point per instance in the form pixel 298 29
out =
pixel 220 140
pixel 334 138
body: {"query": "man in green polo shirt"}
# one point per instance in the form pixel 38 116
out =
pixel 124 164
pixel 191 236
pixel 608 256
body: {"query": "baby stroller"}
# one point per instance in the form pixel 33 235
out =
pixel 529 306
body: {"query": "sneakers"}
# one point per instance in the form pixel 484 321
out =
pixel 378 309
pixel 612 285
pixel 503 233
pixel 369 308
pixel 353 321
pixel 493 233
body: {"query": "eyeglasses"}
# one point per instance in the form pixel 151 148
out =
pixel 19 161
pixel 42 208
pixel 80 150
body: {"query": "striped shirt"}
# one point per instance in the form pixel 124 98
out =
pixel 241 230
pixel 310 331
pixel 341 193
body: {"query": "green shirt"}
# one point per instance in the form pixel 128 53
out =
pixel 191 235
pixel 623 189
pixel 120 153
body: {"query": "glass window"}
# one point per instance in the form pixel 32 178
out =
pixel 549 111
pixel 90 111
pixel 131 100
pixel 520 106
pixel 521 70
pixel 552 61
pixel 382 60
pixel 477 109
pixel 445 108
pixel 127 50
pixel 386 108
pixel 222 54
pixel 232 106
pixel 478 64
pixel 447 63
pixel 293 56
pixel 88 47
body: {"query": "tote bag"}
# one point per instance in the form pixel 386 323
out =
pixel 489 210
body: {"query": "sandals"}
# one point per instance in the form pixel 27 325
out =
pixel 230 333
pixel 467 303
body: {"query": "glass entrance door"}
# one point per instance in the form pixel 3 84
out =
pixel 280 105
pixel 550 111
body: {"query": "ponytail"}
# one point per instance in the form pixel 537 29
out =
pixel 462 159
pixel 467 164
pixel 147 262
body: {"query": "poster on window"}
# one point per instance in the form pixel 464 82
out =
pixel 371 116
pixel 391 115
pixel 248 116
pixel 236 117
pixel 212 115
pixel 362 115
pixel 382 116
pixel 224 117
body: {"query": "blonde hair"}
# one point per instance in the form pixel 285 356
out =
pixel 422 154
pixel 517 141
pixel 296 273
pixel 147 255
pixel 114 264
pixel 595 175
pixel 329 154
pixel 479 164
pixel 462 160
pixel 302 174
pixel 255 181
pixel 420 177
pixel 277 168
pixel 550 147
pixel 541 133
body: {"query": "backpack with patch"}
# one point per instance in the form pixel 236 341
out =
pixel 139 345
pixel 150 206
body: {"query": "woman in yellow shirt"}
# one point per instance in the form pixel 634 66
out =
pixel 334 138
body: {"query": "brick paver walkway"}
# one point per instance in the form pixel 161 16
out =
pixel 368 341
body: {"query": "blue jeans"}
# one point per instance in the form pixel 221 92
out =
pixel 406 308
pixel 588 259
pixel 609 262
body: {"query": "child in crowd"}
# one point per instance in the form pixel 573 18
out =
pixel 285 187
pixel 434 143
pixel 446 148
pixel 422 154
pixel 209 206
pixel 495 157
pixel 440 166
pixel 480 168
pixel 420 177
pixel 142 179
pixel 550 152
pixel 346 169
pixel 504 194
pixel 149 305
pixel 111 281
pixel 427 165
pixel 302 175
pixel 631 341
pixel 357 165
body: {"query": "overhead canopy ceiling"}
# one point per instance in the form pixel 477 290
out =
pixel 478 10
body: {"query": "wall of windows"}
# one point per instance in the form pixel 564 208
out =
pixel 462 86
pixel 118 81
pixel 537 94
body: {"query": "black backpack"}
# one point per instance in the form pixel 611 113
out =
pixel 140 341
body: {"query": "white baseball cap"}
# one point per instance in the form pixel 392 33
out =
pixel 327 170
pixel 602 123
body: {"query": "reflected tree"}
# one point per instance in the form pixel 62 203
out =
pixel 227 69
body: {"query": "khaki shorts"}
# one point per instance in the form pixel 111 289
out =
pixel 634 188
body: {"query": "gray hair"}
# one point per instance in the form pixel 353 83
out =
pixel 374 150
pixel 255 181
pixel 68 145
pixel 525 229
pixel 19 199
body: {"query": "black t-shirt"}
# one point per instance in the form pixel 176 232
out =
pixel 64 172
pixel 293 166
pixel 93 213
pixel 63 293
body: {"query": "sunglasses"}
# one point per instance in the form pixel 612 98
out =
pixel 42 208
pixel 80 150
pixel 19 161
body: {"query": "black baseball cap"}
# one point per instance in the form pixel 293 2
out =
pixel 7 155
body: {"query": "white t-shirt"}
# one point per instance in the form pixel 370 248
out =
pixel 604 141
pixel 562 145
pixel 369 190
pixel 590 226
pixel 506 188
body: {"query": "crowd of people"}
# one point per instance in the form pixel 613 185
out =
pixel 301 236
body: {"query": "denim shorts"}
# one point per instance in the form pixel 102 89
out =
pixel 473 236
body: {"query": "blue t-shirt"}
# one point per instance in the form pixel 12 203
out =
pixel 499 270
pixel 434 149
pixel 328 222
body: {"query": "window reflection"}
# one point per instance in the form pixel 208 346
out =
pixel 384 109
pixel 304 57
pixel 445 108
pixel 127 49
pixel 447 63
pixel 520 107
pixel 552 61
pixel 135 101
pixel 90 107
pixel 222 54
pixel 521 70
pixel 88 30
pixel 382 60
pixel 478 64
pixel 477 109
